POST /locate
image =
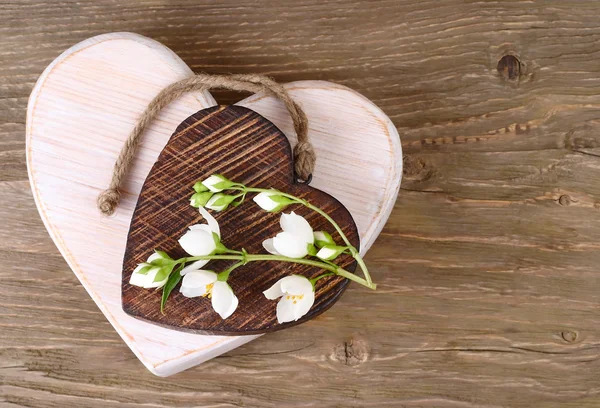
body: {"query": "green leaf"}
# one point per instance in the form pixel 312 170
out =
pixel 169 286
pixel 162 254
pixel 200 199
pixel 220 248
pixel 164 259
pixel 323 238
pixel 161 262
pixel 145 269
pixel 312 251
pixel 199 187
pixel 163 273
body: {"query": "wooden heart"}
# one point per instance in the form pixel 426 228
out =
pixel 84 106
pixel 245 147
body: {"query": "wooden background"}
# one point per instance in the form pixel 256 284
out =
pixel 489 289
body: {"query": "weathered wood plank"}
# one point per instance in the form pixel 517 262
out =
pixel 489 287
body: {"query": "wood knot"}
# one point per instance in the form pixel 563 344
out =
pixel 351 352
pixel 564 200
pixel 509 67
pixel 416 169
pixel 582 137
pixel 569 336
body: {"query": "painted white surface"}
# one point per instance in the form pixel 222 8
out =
pixel 81 111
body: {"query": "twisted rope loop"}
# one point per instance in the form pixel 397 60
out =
pixel 304 154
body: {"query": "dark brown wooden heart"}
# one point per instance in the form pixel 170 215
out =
pixel 247 148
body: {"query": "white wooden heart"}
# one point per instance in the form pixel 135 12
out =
pixel 81 111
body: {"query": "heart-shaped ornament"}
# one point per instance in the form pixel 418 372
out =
pixel 243 146
pixel 82 110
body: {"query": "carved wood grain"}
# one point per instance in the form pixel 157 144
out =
pixel 246 148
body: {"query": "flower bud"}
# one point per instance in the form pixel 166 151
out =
pixel 200 199
pixel 323 238
pixel 329 252
pixel 272 201
pixel 217 183
pixel 199 187
pixel 220 202
pixel 149 274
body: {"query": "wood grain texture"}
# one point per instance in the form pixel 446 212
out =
pixel 246 148
pixel 79 118
pixel 488 266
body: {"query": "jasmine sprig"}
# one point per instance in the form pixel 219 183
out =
pixel 351 249
pixel 203 243
pixel 275 201
pixel 302 261
pixel 272 200
pixel 247 258
pixel 244 258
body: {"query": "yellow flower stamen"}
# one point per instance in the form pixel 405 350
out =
pixel 295 298
pixel 209 289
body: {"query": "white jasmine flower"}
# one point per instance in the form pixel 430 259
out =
pixel 200 241
pixel 295 239
pixel 297 297
pixel 205 283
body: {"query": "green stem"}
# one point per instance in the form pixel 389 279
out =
pixel 353 250
pixel 327 262
pixel 223 276
pixel 306 204
pixel 355 278
pixel 332 268
pixel 314 280
pixel 251 258
pixel 361 263
pixel 233 251
pixel 210 257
